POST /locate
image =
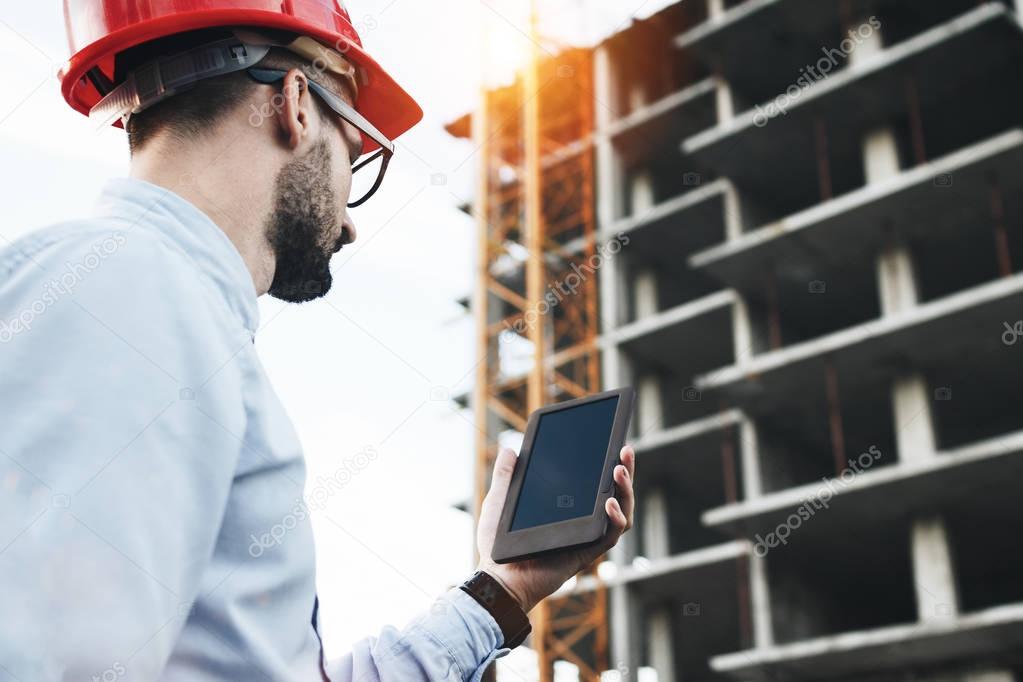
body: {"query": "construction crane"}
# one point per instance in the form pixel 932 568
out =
pixel 536 284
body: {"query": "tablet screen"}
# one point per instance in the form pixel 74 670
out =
pixel 563 475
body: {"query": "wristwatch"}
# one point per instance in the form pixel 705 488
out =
pixel 492 596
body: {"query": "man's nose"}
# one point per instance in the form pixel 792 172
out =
pixel 348 229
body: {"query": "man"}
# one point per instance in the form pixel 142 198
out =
pixel 144 447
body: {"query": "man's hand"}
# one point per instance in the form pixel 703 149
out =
pixel 531 580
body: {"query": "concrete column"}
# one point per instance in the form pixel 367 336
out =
pixel 608 182
pixel 608 165
pixel 624 620
pixel 641 193
pixel 605 89
pixel 649 408
pixel 880 155
pixel 724 100
pixel 644 291
pixel 914 426
pixel 742 331
pixel 896 279
pixel 625 625
pixel 662 649
pixel 613 296
pixel 760 602
pixel 733 214
pixel 933 573
pixel 867 46
pixel 752 484
pixel 626 630
pixel 654 525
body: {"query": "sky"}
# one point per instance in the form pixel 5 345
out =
pixel 375 362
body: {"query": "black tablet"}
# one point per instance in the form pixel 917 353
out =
pixel 563 476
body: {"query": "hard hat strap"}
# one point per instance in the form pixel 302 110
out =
pixel 159 79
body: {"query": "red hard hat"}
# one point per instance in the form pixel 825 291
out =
pixel 98 30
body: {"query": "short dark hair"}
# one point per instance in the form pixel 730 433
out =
pixel 198 109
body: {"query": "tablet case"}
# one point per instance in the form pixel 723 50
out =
pixel 530 542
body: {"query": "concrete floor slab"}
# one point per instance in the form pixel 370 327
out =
pixel 666 233
pixel 855 99
pixel 674 117
pixel 886 495
pixel 926 201
pixel 976 636
pixel 925 335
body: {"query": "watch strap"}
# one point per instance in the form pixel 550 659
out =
pixel 491 595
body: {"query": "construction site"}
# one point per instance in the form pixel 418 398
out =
pixel 796 228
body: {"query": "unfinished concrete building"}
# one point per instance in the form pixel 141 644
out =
pixel 820 302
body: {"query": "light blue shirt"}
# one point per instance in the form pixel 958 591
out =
pixel 145 461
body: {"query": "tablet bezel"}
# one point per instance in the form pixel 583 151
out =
pixel 528 542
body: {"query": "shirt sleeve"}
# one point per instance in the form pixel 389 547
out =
pixel 115 456
pixel 457 639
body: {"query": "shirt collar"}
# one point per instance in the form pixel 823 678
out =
pixel 149 206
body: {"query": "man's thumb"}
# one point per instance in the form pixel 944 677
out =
pixel 504 465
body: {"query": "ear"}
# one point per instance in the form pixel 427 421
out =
pixel 296 115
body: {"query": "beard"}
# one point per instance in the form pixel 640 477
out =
pixel 300 226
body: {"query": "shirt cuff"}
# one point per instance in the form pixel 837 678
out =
pixel 467 630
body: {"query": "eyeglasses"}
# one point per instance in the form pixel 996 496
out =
pixel 366 184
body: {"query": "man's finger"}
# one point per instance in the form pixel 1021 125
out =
pixel 615 513
pixel 628 459
pixel 625 493
pixel 616 525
